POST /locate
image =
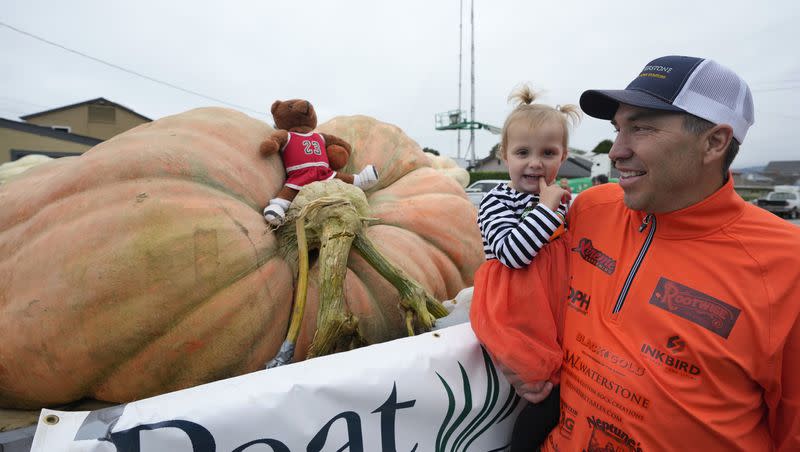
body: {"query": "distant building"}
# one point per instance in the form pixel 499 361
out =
pixel 491 162
pixel 758 178
pixel 68 130
pixel 461 162
pixel 783 172
pixel 575 165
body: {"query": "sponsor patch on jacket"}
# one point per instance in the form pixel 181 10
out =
pixel 609 437
pixel 594 256
pixel 695 306
pixel 578 300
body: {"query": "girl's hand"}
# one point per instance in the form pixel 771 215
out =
pixel 551 195
pixel 532 392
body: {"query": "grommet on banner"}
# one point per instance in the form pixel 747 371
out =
pixel 51 419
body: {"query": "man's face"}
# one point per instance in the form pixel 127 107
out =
pixel 660 163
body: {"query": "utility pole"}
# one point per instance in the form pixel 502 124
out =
pixel 472 81
pixel 460 64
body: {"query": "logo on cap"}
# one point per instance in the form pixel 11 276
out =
pixel 655 71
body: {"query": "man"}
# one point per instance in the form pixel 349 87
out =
pixel 564 184
pixel 681 327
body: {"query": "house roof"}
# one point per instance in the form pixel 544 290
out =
pixel 783 167
pixel 48 132
pixel 575 166
pixel 486 159
pixel 98 101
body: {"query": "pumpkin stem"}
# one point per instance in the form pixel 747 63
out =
pixel 335 215
pixel 414 299
pixel 336 326
pixel 410 323
pixel 286 352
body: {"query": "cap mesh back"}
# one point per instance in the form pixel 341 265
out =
pixel 717 83
pixel 715 93
pixel 748 107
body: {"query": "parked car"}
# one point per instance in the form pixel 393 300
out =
pixel 478 189
pixel 783 201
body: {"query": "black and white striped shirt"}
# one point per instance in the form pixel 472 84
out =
pixel 515 226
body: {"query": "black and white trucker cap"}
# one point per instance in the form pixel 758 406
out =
pixel 698 86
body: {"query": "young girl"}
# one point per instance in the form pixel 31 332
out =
pixel 517 219
pixel 509 312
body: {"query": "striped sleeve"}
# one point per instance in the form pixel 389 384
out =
pixel 511 240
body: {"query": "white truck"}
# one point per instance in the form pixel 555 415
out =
pixel 783 201
pixel 478 189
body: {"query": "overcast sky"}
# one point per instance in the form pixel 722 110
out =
pixel 395 61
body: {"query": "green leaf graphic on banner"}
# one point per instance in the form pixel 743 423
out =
pixel 451 407
pixel 489 402
pixel 511 401
pixel 464 412
pixel 512 394
pixel 479 424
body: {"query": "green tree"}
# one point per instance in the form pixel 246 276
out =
pixel 603 147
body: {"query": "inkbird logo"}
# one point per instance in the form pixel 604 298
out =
pixel 676 344
pixel 669 361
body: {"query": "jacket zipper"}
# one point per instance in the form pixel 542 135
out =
pixel 648 219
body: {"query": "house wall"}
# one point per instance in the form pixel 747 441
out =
pixel 15 139
pixel 492 165
pixel 568 168
pixel 80 121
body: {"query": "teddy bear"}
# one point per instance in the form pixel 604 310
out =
pixel 308 156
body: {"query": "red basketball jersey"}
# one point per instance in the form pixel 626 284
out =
pixel 304 150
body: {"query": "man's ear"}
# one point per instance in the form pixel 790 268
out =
pixel 715 142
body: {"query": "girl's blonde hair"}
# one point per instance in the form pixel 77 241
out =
pixel 538 114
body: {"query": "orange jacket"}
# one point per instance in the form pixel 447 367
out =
pixel 681 330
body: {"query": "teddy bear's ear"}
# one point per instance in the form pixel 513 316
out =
pixel 275 106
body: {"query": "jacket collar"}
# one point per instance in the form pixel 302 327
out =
pixel 720 209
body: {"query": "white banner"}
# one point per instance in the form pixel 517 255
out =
pixel 435 392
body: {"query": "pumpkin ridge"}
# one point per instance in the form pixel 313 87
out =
pixel 177 319
pixel 260 260
pixel 37 225
pixel 179 377
pixel 392 208
pixel 380 307
pixel 439 259
pixel 411 181
pixel 253 262
pixel 143 180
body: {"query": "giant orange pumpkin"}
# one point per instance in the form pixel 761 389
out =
pixel 145 266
